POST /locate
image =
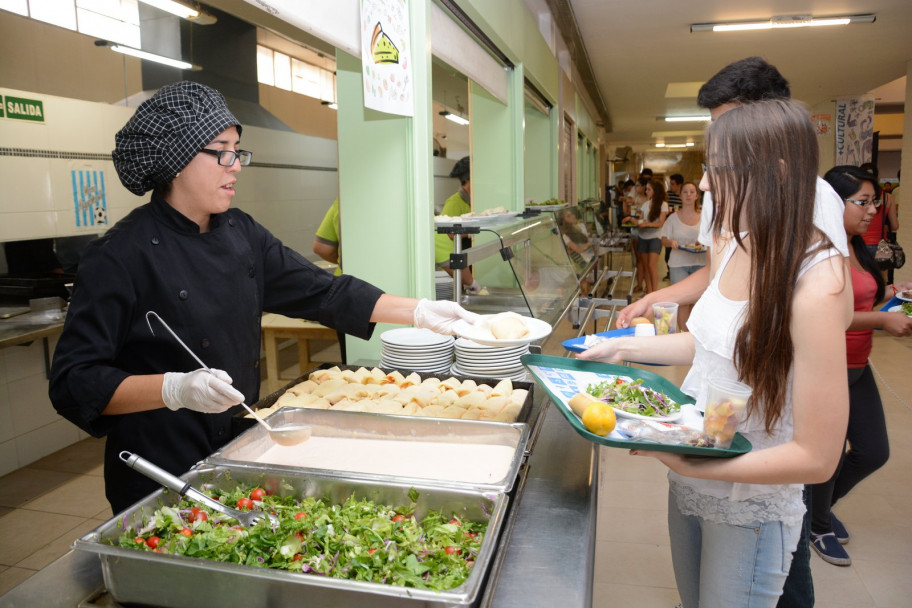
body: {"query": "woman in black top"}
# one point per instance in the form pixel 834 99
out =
pixel 210 272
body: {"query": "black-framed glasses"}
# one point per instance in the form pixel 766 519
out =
pixel 226 158
pixel 876 202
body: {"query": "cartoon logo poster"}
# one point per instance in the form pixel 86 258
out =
pixel 385 57
pixel 89 202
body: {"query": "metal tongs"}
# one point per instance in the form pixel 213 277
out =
pixel 183 488
pixel 288 434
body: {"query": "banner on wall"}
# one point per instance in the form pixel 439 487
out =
pixel 854 130
pixel 385 57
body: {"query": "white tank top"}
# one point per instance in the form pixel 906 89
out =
pixel 714 324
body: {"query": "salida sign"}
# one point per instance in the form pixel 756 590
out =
pixel 20 108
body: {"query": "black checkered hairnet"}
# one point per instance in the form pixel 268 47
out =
pixel 166 132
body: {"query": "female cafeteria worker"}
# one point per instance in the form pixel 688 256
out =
pixel 734 522
pixel 210 272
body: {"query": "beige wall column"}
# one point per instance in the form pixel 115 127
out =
pixel 904 234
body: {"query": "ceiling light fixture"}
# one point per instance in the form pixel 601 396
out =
pixel 459 120
pixel 183 11
pixel 782 22
pixel 128 50
pixel 700 118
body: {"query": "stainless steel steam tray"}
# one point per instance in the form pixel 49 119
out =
pixel 173 581
pixel 459 453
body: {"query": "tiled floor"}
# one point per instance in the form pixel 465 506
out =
pixel 46 505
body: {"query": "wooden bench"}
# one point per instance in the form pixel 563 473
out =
pixel 277 326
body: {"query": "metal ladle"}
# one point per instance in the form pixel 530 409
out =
pixel 287 434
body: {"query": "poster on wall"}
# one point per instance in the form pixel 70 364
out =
pixel 854 130
pixel 823 124
pixel 385 57
pixel 89 203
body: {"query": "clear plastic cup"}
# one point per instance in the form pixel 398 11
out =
pixel 725 404
pixel 665 316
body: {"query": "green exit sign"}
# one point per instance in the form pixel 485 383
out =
pixel 20 108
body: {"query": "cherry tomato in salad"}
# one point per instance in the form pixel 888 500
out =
pixel 450 550
pixel 139 540
pixel 152 542
pixel 298 557
pixel 455 522
pixel 300 515
pixel 372 550
pixel 197 514
pixel 257 494
pixel 398 518
pixel 244 503
pixel 186 532
pixel 471 534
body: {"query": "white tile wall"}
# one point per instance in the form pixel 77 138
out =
pixel 45 440
pixel 9 459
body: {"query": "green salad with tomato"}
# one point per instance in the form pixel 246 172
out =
pixel 907 308
pixel 633 397
pixel 357 540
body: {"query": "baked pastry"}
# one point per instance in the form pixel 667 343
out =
pixel 508 327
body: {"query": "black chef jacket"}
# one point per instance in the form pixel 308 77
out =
pixel 211 288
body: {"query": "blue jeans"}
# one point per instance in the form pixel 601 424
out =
pixel 726 566
pixel 679 273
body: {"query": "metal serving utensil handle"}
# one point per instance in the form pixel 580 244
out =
pixel 175 483
pixel 152 313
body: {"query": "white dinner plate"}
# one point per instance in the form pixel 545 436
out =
pixel 897 308
pixel 417 351
pixel 414 337
pixel 905 296
pixel 518 377
pixel 538 329
pixel 672 418
pixel 416 360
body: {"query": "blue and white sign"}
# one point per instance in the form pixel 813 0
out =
pixel 89 202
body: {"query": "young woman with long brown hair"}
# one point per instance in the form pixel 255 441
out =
pixel 773 317
pixel 652 218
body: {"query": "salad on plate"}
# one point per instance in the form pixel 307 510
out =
pixel 630 398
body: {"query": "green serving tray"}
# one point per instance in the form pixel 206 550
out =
pixel 534 363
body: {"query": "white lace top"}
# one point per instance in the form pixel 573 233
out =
pixel 714 324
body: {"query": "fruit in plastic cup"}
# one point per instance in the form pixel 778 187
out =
pixel 725 404
pixel 666 317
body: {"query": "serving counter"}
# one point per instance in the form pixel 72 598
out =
pixel 545 556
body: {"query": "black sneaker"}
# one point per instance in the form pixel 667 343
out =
pixel 829 549
pixel 842 535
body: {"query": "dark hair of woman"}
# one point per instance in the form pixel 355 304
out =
pixel 846 180
pixel 658 197
pixel 762 171
pixel 642 181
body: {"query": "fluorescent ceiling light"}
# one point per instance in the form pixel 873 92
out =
pixel 128 50
pixel 459 120
pixel 175 8
pixel 782 22
pixel 700 118
pixel 183 11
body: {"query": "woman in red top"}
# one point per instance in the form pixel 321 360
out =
pixel 867 431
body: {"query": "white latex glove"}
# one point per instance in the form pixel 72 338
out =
pixel 440 315
pixel 201 391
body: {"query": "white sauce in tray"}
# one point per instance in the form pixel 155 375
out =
pixel 470 463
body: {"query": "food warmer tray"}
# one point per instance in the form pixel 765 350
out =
pixel 344 429
pixel 530 413
pixel 175 581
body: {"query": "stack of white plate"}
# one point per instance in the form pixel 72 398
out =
pixel 473 359
pixel 443 284
pixel 414 349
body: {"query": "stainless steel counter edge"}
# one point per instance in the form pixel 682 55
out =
pixel 549 554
